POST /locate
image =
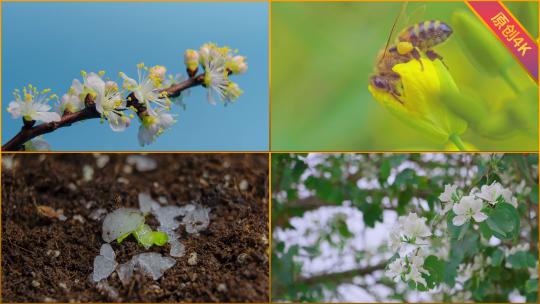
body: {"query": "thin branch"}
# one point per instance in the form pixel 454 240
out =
pixel 30 131
pixel 341 277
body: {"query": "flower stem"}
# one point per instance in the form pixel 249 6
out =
pixel 456 140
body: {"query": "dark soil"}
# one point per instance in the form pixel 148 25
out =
pixel 232 252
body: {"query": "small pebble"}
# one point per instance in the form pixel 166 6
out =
pixel 222 287
pixel 192 259
pixel 203 182
pixel 241 259
pixel 123 180
pixel 79 218
pixel 35 283
pixel 48 300
pixel 243 185
pixel 162 200
pixel 127 169
pixel 72 187
pixel 89 204
pixel 53 253
pixel 88 173
pixel 97 214
pixel 101 160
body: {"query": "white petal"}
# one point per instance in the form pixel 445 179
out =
pixel 459 220
pixel 460 208
pixel 46 116
pixel 15 109
pixel 479 216
pixel 117 122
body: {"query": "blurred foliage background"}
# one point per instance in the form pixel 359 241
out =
pixel 332 215
pixel 322 57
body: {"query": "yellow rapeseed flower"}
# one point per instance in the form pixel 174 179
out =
pixel 422 108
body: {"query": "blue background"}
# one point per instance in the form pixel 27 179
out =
pixel 48 44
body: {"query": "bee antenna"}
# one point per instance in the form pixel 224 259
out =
pixel 403 7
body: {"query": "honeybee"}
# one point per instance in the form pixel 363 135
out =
pixel 410 43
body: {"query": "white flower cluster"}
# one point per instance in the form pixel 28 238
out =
pixel 406 239
pixel 218 63
pixel 467 207
pixel 148 89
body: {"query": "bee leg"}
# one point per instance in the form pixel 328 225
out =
pixel 416 55
pixel 397 97
pixel 432 55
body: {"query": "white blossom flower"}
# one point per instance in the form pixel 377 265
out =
pixel 522 188
pixel 216 77
pixel 153 125
pixel 109 102
pixel 448 194
pixel 509 198
pixel 72 101
pixel 237 64
pixel 414 226
pixel 467 208
pixel 147 88
pixel 490 193
pixel 396 269
pixel 395 240
pixel 37 144
pixel 416 264
pixel 32 105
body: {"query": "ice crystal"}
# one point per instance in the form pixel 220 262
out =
pixel 120 222
pixel 150 263
pixel 104 263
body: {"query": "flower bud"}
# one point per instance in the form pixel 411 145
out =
pixel 237 65
pixel 157 75
pixel 191 60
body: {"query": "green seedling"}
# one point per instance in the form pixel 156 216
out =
pixel 146 237
pixel 124 222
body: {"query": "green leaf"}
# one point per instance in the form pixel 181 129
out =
pixel 450 272
pixel 521 259
pixel 435 267
pixel 504 221
pixel 534 194
pixel 405 176
pixel 384 172
pixel 497 257
pixel 372 213
pixel 531 286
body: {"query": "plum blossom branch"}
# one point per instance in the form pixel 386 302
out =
pixel 30 131
pixel 149 95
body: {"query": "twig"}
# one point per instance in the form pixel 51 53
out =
pixel 29 131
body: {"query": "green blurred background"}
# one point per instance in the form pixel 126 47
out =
pixel 322 57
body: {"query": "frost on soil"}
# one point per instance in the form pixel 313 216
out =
pixel 104 263
pixel 125 220
pixel 150 263
pixel 121 222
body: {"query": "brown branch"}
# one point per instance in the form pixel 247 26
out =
pixel 341 277
pixel 29 131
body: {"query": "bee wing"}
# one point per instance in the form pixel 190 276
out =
pixel 415 16
pixel 396 26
